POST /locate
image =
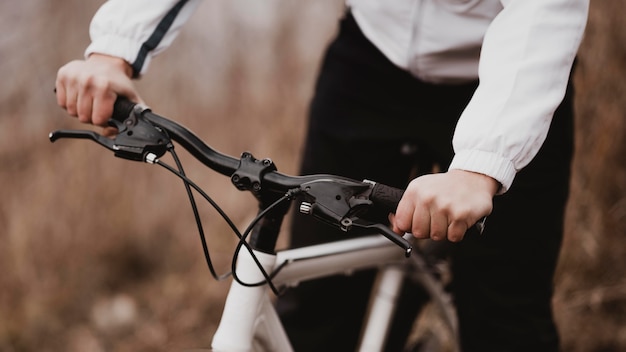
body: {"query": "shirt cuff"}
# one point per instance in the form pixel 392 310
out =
pixel 486 163
pixel 118 46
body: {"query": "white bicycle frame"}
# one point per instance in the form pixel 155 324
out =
pixel 249 321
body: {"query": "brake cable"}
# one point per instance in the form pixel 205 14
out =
pixel 242 237
pixel 242 243
pixel 188 184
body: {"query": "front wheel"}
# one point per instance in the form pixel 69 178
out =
pixel 435 329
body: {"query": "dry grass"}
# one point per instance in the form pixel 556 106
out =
pixel 590 302
pixel 100 254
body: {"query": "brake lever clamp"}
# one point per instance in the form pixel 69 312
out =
pixel 340 203
pixel 331 200
pixel 136 138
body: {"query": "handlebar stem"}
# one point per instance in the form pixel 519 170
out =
pixel 249 174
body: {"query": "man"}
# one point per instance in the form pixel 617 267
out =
pixel 404 79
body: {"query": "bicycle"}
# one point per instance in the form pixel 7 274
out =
pixel 249 321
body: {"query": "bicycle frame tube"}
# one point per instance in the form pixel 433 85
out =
pixel 249 315
pixel 341 257
pixel 248 310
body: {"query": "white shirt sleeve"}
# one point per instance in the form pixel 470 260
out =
pixel 525 62
pixel 137 30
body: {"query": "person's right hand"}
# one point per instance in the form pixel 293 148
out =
pixel 444 205
pixel 87 89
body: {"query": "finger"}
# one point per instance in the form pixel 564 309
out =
pixel 421 225
pixel 71 97
pixel 456 231
pixel 438 226
pixel 84 107
pixel 392 222
pixel 109 131
pixel 103 108
pixel 401 221
pixel 60 93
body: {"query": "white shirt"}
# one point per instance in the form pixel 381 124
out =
pixel 520 50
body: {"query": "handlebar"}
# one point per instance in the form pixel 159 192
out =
pixel 339 201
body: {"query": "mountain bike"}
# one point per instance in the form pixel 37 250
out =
pixel 249 321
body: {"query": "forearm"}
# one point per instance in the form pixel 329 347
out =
pixel 137 30
pixel 524 68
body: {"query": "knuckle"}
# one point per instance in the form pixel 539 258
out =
pixel 462 213
pixel 92 84
pixel 70 106
pixel 62 72
pixel 437 236
pixel 419 233
pixel 401 224
pixel 99 84
pixel 456 231
pixel 454 237
pixel 100 120
pixel 85 81
pixel 83 118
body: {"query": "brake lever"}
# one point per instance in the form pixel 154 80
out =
pixel 135 140
pixel 381 229
pixel 81 134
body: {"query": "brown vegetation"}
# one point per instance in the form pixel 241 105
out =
pixel 100 254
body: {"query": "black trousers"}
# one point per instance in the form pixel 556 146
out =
pixel 370 119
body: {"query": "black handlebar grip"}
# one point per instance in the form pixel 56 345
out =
pixel 386 197
pixel 122 109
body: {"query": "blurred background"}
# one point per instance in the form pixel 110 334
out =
pixel 101 254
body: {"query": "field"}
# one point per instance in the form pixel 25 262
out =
pixel 100 254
